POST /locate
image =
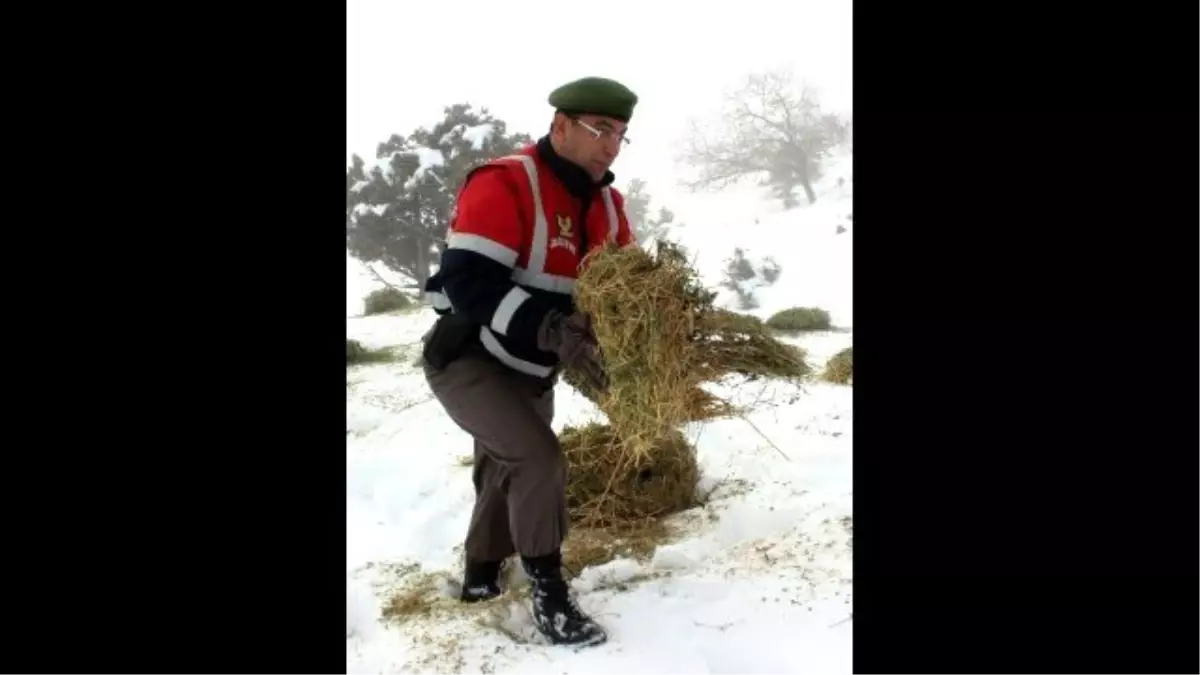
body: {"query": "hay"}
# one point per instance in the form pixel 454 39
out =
pixel 736 321
pixel 414 593
pixel 736 343
pixel 840 368
pixel 704 405
pixel 699 405
pixel 356 353
pixel 590 546
pixel 609 487
pixel 661 338
pixel 418 598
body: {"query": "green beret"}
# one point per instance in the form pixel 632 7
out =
pixel 595 96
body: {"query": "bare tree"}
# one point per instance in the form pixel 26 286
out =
pixel 771 128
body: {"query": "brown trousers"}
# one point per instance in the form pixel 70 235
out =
pixel 520 472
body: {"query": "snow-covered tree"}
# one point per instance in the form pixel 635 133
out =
pixel 398 210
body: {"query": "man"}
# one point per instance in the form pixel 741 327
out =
pixel 507 325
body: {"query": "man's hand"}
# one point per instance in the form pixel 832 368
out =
pixel 572 339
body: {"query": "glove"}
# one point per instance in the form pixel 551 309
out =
pixel 572 339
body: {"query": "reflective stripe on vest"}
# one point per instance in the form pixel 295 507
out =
pixel 534 274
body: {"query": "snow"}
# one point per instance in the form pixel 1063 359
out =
pixel 361 209
pixel 759 579
pixel 427 158
pixel 478 135
pixel 805 241
pixel 385 168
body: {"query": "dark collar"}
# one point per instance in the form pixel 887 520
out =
pixel 573 176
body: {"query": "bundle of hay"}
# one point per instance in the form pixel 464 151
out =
pixel 736 343
pixel 700 404
pixel 610 487
pixel 661 338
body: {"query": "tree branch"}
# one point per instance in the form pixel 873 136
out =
pixel 380 278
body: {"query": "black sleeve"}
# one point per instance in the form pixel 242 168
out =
pixel 482 288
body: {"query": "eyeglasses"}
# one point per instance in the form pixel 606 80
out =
pixel 604 134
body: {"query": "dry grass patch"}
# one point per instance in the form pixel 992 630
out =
pixel 386 300
pixel 840 368
pixel 800 319
pixel 358 354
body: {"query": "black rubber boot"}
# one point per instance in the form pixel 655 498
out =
pixel 481 581
pixel 554 610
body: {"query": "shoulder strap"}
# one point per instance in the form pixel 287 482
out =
pixel 541 230
pixel 611 208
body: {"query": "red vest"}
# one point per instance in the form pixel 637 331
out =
pixel 548 252
pixel 518 214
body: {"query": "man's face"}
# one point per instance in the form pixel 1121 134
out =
pixel 591 141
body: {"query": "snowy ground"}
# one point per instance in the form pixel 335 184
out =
pixel 760 581
pixel 756 580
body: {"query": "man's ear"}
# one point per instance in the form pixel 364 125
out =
pixel 558 124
